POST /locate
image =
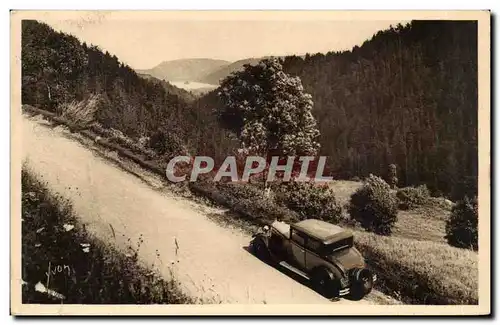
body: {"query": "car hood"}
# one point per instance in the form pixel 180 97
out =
pixel 348 258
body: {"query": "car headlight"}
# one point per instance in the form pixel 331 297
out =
pixel 344 282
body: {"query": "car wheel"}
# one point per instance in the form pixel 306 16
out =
pixel 260 249
pixel 323 282
pixel 363 284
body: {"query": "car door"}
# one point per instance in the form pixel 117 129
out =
pixel 312 256
pixel 297 242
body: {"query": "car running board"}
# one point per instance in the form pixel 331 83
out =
pixel 294 269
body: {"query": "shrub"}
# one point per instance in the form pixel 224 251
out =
pixel 374 205
pixel 241 191
pixel 461 227
pixel 392 178
pixel 412 197
pixel 81 113
pixel 246 200
pixel 310 201
pixel 166 143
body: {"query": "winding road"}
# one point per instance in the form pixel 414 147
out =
pixel 210 261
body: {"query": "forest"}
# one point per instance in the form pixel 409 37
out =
pixel 408 97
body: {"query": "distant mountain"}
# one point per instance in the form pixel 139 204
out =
pixel 216 76
pixel 185 69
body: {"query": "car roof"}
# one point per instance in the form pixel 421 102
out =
pixel 323 231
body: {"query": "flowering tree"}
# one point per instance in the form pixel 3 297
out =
pixel 269 111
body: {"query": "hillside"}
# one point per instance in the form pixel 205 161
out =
pixel 407 96
pixel 58 69
pixel 184 69
pixel 216 76
pixel 171 89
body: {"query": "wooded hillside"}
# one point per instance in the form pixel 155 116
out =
pixel 57 68
pixel 408 96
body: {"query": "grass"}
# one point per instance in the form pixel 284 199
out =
pixel 421 272
pixel 415 264
pixel 425 223
pixel 62 263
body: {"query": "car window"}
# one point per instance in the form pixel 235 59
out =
pixel 313 244
pixel 341 244
pixel 298 237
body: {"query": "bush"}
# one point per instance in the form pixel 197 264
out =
pixel 375 206
pixel 461 228
pixel 241 190
pixel 246 200
pixel 166 143
pixel 412 197
pixel 310 201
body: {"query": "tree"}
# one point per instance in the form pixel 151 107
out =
pixel 269 111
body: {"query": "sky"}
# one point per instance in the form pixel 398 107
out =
pixel 145 42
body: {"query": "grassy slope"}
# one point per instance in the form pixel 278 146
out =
pixel 423 223
pixel 93 274
pixel 421 265
pixel 422 272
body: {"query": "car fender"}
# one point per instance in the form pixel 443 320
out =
pixel 262 238
pixel 334 267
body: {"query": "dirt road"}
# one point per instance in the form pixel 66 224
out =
pixel 209 260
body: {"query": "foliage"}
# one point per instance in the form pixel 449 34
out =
pixel 81 113
pixel 412 197
pixel 462 227
pixel 166 143
pixel 269 110
pixel 310 201
pixel 374 206
pixel 246 200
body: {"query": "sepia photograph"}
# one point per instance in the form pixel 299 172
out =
pixel 250 163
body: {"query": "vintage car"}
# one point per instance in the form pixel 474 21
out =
pixel 318 251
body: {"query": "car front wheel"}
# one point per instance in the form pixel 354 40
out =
pixel 323 282
pixel 260 249
pixel 363 283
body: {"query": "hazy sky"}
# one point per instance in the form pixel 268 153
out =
pixel 145 43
